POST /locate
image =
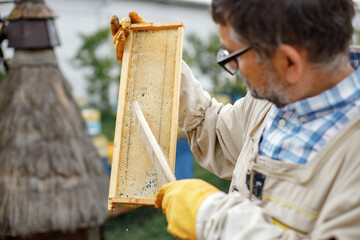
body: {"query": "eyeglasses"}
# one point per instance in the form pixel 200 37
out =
pixel 224 58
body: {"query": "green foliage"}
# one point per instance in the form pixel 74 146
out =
pixel 141 223
pixel 356 37
pixel 200 55
pixel 108 120
pixel 2 75
pixel 99 66
pixel 3 71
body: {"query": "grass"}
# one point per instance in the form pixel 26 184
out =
pixel 146 222
pixel 140 223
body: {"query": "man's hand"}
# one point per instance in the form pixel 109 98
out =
pixel 180 202
pixel 120 30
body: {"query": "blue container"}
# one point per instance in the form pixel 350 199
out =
pixel 106 165
pixel 184 165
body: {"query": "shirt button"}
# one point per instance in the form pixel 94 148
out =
pixel 282 122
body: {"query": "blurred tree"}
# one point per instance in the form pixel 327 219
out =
pixel 4 65
pixel 200 55
pixel 91 56
pixel 2 74
pixel 356 37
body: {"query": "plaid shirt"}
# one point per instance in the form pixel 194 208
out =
pixel 297 131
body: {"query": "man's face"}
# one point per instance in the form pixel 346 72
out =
pixel 261 78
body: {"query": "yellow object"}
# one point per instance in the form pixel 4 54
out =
pixel 180 202
pixel 291 206
pixel 110 151
pixel 121 29
pixel 92 119
pixel 91 114
pixel 150 75
pixel 135 18
pixel 101 144
pixel 114 25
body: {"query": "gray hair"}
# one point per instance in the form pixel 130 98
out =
pixel 323 27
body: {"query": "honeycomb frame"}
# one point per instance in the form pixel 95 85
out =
pixel 150 75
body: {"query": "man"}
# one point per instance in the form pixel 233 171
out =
pixel 290 146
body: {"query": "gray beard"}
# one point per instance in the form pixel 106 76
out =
pixel 273 91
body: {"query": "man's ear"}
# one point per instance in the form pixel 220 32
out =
pixel 290 63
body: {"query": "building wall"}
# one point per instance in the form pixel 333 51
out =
pixel 87 16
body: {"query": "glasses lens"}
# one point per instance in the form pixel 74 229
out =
pixel 222 54
pixel 230 66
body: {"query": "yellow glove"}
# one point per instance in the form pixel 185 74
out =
pixel 120 30
pixel 180 202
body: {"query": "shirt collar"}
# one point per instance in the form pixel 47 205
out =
pixel 345 92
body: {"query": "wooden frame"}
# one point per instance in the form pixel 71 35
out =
pixel 150 75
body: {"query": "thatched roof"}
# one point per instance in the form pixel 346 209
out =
pixel 30 9
pixel 51 178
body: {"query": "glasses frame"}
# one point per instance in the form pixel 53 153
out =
pixel 232 57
